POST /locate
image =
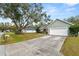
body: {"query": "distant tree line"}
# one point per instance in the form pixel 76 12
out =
pixel 6 27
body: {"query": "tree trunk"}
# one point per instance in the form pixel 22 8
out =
pixel 38 30
pixel 18 31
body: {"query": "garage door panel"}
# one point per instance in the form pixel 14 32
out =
pixel 62 32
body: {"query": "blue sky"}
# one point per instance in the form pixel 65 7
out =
pixel 61 10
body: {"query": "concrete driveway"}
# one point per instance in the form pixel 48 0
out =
pixel 43 46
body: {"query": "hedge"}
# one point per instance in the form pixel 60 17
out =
pixel 74 29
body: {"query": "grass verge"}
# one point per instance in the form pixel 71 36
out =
pixel 14 38
pixel 71 46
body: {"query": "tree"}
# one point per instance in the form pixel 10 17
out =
pixel 40 17
pixel 4 26
pixel 74 20
pixel 74 29
pixel 22 15
pixel 42 23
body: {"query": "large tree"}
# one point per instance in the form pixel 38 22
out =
pixel 22 15
pixel 40 17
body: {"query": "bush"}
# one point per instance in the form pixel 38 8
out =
pixel 73 30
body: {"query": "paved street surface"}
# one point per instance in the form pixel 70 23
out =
pixel 43 46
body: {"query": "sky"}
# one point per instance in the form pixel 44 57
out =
pixel 61 10
pixel 58 10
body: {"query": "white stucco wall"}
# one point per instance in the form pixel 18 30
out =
pixel 29 31
pixel 59 24
pixel 58 28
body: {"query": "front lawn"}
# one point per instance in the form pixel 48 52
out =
pixel 20 37
pixel 71 46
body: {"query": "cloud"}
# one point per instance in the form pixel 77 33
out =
pixel 51 10
pixel 70 4
pixel 70 9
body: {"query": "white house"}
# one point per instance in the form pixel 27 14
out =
pixel 30 29
pixel 59 27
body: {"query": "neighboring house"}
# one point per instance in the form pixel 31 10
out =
pixel 59 27
pixel 30 29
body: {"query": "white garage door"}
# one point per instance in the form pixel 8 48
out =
pixel 59 31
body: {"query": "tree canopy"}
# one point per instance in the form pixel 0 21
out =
pixel 74 19
pixel 23 14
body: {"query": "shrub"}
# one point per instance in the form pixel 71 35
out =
pixel 74 29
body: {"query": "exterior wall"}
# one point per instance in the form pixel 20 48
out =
pixel 59 24
pixel 29 31
pixel 58 28
pixel 62 32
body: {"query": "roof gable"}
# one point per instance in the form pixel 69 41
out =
pixel 61 21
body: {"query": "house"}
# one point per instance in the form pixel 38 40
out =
pixel 59 27
pixel 30 29
pixel 56 27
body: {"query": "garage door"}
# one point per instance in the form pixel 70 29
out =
pixel 62 32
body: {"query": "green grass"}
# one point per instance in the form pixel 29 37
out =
pixel 71 46
pixel 14 38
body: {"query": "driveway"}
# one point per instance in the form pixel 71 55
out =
pixel 43 46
